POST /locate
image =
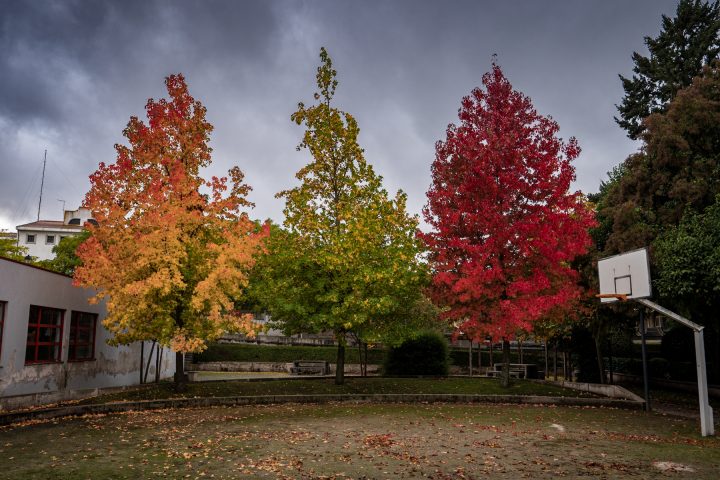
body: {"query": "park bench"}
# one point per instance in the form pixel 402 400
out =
pixel 310 367
pixel 517 370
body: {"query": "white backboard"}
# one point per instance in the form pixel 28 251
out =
pixel 627 273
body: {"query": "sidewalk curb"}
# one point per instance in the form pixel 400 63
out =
pixel 109 408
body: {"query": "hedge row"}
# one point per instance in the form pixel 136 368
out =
pixel 239 352
pixel 235 352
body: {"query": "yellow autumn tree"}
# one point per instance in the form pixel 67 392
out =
pixel 171 251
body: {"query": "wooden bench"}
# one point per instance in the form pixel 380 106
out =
pixel 310 367
pixel 517 370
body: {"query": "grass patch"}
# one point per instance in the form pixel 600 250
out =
pixel 320 386
pixel 361 441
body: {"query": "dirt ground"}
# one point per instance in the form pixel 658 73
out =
pixel 439 441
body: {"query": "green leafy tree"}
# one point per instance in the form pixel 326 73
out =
pixel 677 55
pixel 687 276
pixel 10 249
pixel 66 259
pixel 347 259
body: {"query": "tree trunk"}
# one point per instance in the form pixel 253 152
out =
pixel 492 360
pixel 610 361
pixel 520 351
pixel 158 363
pixel 480 358
pixel 555 361
pixel 598 352
pixel 365 359
pixel 340 362
pixel 180 377
pixel 142 359
pixel 147 365
pixel 505 377
pixel 547 372
pixel 470 358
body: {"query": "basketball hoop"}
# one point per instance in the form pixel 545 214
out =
pixel 627 277
pixel 617 296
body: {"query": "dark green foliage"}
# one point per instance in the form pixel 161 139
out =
pixel 426 354
pixel 238 352
pixel 678 171
pixel 677 54
pixel 584 354
pixel 688 260
pixel 678 345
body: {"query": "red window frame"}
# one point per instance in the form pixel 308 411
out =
pixel 78 340
pixel 36 342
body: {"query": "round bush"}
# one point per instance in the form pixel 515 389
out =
pixel 426 354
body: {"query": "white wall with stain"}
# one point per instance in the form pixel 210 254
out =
pixel 22 383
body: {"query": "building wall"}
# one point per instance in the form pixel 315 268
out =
pixel 21 286
pixel 82 213
pixel 41 249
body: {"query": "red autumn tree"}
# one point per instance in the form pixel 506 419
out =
pixel 505 224
pixel 171 252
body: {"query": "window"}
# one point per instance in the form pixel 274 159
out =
pixel 49 239
pixel 44 337
pixel 30 238
pixel 2 321
pixel 82 336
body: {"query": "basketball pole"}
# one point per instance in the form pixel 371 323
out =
pixel 707 426
pixel 622 272
pixel 646 381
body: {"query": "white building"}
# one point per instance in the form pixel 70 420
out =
pixel 52 342
pixel 40 237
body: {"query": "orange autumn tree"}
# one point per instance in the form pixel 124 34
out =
pixel 171 251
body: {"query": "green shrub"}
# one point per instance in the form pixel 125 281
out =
pixel 426 354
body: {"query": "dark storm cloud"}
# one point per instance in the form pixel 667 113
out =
pixel 72 73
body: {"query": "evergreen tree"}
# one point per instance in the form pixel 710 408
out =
pixel 686 43
pixel 677 171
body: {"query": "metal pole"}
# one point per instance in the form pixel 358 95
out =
pixel 706 414
pixel 644 361
pixel 42 184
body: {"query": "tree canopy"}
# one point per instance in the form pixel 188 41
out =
pixel 505 224
pixel 677 55
pixel 347 257
pixel 171 251
pixel 10 249
pixel 66 259
pixel 677 170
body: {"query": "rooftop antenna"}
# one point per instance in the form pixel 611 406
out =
pixel 63 202
pixel 42 183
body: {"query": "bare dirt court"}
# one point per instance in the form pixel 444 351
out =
pixel 363 441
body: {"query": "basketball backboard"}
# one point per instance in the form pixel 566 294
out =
pixel 627 273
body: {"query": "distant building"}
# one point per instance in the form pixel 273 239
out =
pixel 40 237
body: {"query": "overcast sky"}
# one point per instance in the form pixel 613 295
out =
pixel 73 72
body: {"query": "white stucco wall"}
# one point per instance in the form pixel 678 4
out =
pixel 21 286
pixel 40 248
